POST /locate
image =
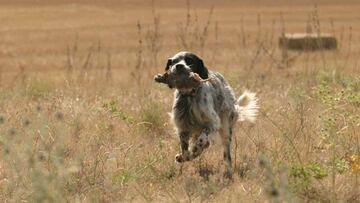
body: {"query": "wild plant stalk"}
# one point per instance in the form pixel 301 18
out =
pixel 21 76
pixel 285 134
pixel 98 59
pixel 71 53
pixel 83 72
pixel 183 30
pixel 109 72
pixel 153 40
pixel 242 32
pixel 284 51
pixel 203 37
pixel 135 74
pixel 193 36
pixel 335 52
pixel 256 57
pixel 215 49
pixel 349 47
pixel 100 62
pixel 317 28
pixel 84 67
pixel 235 152
pixel 270 54
pixel 272 33
pixel 259 29
pixel 308 31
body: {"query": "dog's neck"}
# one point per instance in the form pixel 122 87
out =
pixel 188 92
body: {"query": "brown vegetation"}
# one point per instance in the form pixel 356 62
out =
pixel 81 119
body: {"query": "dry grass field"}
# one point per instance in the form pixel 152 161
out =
pixel 81 119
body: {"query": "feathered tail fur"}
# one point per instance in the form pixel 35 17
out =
pixel 247 106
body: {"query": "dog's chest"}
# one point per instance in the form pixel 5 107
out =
pixel 187 112
pixel 191 111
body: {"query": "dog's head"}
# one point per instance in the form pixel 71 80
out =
pixel 180 69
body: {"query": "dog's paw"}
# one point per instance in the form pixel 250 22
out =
pixel 203 141
pixel 180 158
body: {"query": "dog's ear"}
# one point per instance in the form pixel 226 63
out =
pixel 168 64
pixel 199 68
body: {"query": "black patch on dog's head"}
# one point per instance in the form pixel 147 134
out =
pixel 196 65
pixel 168 64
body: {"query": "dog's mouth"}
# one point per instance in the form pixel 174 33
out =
pixel 182 82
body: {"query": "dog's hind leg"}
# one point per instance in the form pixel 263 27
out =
pixel 226 136
pixel 184 143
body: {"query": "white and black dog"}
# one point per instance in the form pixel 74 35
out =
pixel 204 104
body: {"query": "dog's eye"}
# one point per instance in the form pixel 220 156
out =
pixel 188 61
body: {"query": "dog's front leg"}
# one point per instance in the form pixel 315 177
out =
pixel 201 143
pixel 211 120
pixel 184 143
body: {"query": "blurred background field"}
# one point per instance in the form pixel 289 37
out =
pixel 83 121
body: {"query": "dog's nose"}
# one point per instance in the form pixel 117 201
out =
pixel 179 67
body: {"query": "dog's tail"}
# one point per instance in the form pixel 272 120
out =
pixel 247 106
